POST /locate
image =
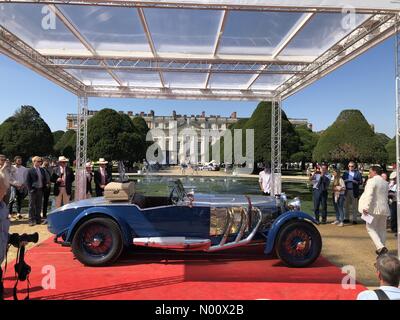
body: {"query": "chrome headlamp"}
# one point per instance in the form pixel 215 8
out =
pixel 295 204
pixel 283 197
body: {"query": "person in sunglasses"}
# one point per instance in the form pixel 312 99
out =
pixel 352 179
pixel 36 181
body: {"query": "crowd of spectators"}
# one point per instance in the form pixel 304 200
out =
pixel 46 178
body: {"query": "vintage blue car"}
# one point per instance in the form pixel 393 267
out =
pixel 98 230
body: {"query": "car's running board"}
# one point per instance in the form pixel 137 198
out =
pixel 174 243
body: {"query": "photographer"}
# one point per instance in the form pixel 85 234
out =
pixel 4 226
pixel 320 180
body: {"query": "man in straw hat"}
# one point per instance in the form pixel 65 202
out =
pixel 62 177
pixel 101 177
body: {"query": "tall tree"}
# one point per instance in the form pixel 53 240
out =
pixel 66 145
pixel 141 128
pixel 113 136
pixel 350 137
pixel 308 141
pixel 260 122
pixel 57 136
pixel 26 134
pixel 391 150
pixel 382 138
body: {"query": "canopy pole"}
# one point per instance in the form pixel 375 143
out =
pixel 276 137
pixel 81 147
pixel 397 55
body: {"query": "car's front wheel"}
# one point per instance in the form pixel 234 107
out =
pixel 298 244
pixel 97 242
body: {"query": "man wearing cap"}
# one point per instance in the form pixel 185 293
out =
pixel 393 201
pixel 62 177
pixel 36 181
pixel 89 179
pixel 101 177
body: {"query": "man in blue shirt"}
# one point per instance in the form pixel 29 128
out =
pixel 320 180
pixel 353 179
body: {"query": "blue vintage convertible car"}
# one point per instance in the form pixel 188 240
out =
pixel 98 230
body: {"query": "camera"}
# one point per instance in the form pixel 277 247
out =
pixel 15 239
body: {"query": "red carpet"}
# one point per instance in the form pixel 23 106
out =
pixel 243 273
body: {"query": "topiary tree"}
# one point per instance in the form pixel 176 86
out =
pixel 382 138
pixel 260 121
pixel 57 135
pixel 308 141
pixel 113 136
pixel 25 134
pixel 350 137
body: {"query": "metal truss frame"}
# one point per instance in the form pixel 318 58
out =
pixel 397 55
pixel 363 6
pixel 276 141
pixel 301 72
pixel 19 51
pixel 367 35
pixel 81 148
pixel 175 66
pixel 383 23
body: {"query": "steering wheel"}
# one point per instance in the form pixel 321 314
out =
pixel 174 199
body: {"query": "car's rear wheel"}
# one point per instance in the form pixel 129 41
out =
pixel 97 242
pixel 298 244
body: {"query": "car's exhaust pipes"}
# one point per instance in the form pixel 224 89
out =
pixel 174 243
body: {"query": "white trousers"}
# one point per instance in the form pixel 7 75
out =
pixel 62 198
pixel 377 230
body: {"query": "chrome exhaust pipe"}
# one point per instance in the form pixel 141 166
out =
pixel 174 243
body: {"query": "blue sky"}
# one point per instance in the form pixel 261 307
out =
pixel 366 83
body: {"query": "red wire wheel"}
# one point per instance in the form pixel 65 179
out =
pixel 97 242
pixel 298 243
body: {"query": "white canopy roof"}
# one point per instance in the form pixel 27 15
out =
pixel 188 49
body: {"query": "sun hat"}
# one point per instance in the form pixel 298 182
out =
pixel 62 159
pixel 393 175
pixel 102 161
pixel 89 164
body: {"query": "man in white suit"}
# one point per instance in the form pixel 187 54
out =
pixel 374 202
